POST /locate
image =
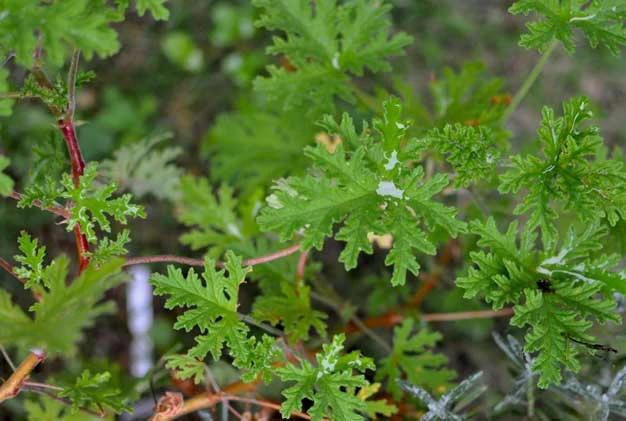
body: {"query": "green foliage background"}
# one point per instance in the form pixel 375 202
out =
pixel 192 95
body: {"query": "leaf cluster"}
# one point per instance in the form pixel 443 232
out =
pixel 325 43
pixel 555 291
pixel 412 358
pixel 95 391
pixel 371 186
pixel 26 26
pixel 471 151
pixel 572 173
pixel 601 21
pixel 211 306
pixel 330 385
pixel 63 311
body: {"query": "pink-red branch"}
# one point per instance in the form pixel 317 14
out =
pixel 66 125
pixel 54 209
pixel 165 258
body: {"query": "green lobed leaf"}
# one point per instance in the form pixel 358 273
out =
pixel 327 385
pixel 64 310
pixel 82 24
pixel 213 219
pixel 471 151
pixel 556 291
pixel 369 190
pixel 32 268
pixel 93 391
pixel 211 305
pixel 570 173
pixel 292 309
pixel 93 206
pixel 602 23
pixel 412 358
pixel 326 43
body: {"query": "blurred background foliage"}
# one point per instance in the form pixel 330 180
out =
pixel 184 87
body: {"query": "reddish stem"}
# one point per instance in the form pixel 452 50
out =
pixel 6 266
pixel 392 318
pixel 54 209
pixel 78 169
pixel 301 266
pixel 166 258
pixel 69 133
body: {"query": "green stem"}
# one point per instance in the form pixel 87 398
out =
pixel 530 80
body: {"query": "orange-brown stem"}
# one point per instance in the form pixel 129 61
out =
pixel 200 262
pixel 12 386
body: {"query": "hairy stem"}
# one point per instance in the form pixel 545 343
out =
pixel 12 386
pixel 54 209
pixel 166 258
pixel 209 400
pixel 66 125
pixel 530 80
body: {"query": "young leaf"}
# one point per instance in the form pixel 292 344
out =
pixel 93 391
pixel 187 367
pixel 370 190
pixel 326 384
pixel 471 151
pixel 93 206
pixel 325 42
pixel 570 173
pixel 555 326
pixel 555 292
pixel 292 308
pixel 214 220
pixel 211 305
pixel 602 23
pixel 212 308
pixel 412 357
pixel 32 267
pixel 107 248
